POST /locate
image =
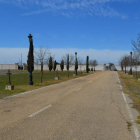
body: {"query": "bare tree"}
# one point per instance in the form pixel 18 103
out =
pixel 80 62
pixel 121 62
pixel 126 61
pixel 93 63
pixel 40 56
pixel 136 44
pixel 135 62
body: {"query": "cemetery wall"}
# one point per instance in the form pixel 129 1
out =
pixel 83 67
pixel 7 66
pixel 127 68
pixel 45 67
pixel 80 67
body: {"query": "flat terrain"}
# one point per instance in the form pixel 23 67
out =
pixel 85 108
pixel 20 80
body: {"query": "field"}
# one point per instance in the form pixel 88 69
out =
pixel 20 80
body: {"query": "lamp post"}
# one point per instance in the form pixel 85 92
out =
pixel 31 53
pixel 75 63
pixel 131 64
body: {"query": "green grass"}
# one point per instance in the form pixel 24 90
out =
pixel 21 80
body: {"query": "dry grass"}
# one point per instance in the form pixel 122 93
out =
pixel 131 86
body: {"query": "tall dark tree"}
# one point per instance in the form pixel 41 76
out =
pixel 68 64
pixel 76 64
pixel 32 58
pixel 54 66
pixel 71 59
pixel 62 64
pixel 87 64
pixel 50 63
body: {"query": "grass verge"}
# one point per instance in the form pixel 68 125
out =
pixel 21 80
pixel 131 86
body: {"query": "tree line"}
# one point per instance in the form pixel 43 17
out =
pixel 132 59
pixel 43 56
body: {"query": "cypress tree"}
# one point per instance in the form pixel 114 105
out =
pixel 50 63
pixel 62 64
pixel 32 59
pixel 54 67
pixel 76 64
pixel 87 64
pixel 68 64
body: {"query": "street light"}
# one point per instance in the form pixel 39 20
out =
pixel 131 64
pixel 75 63
pixel 30 38
pixel 31 45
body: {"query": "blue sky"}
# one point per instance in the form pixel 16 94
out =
pixel 102 28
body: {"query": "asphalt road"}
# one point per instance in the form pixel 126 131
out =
pixel 87 108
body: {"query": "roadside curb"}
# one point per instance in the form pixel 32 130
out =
pixel 8 97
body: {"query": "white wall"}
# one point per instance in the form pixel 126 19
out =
pixel 7 66
pixel 83 67
pixel 127 68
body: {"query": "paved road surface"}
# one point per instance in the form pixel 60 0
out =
pixel 87 108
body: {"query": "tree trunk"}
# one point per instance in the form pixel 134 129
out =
pixel 136 73
pixel 41 77
pixel 42 68
pixel 125 69
pixel 122 68
pixel 68 73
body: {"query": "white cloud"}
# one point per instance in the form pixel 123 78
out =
pixel 12 55
pixel 64 7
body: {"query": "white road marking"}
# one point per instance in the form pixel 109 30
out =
pixel 43 87
pixel 39 111
pixel 137 135
pixel 78 89
pixel 120 87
